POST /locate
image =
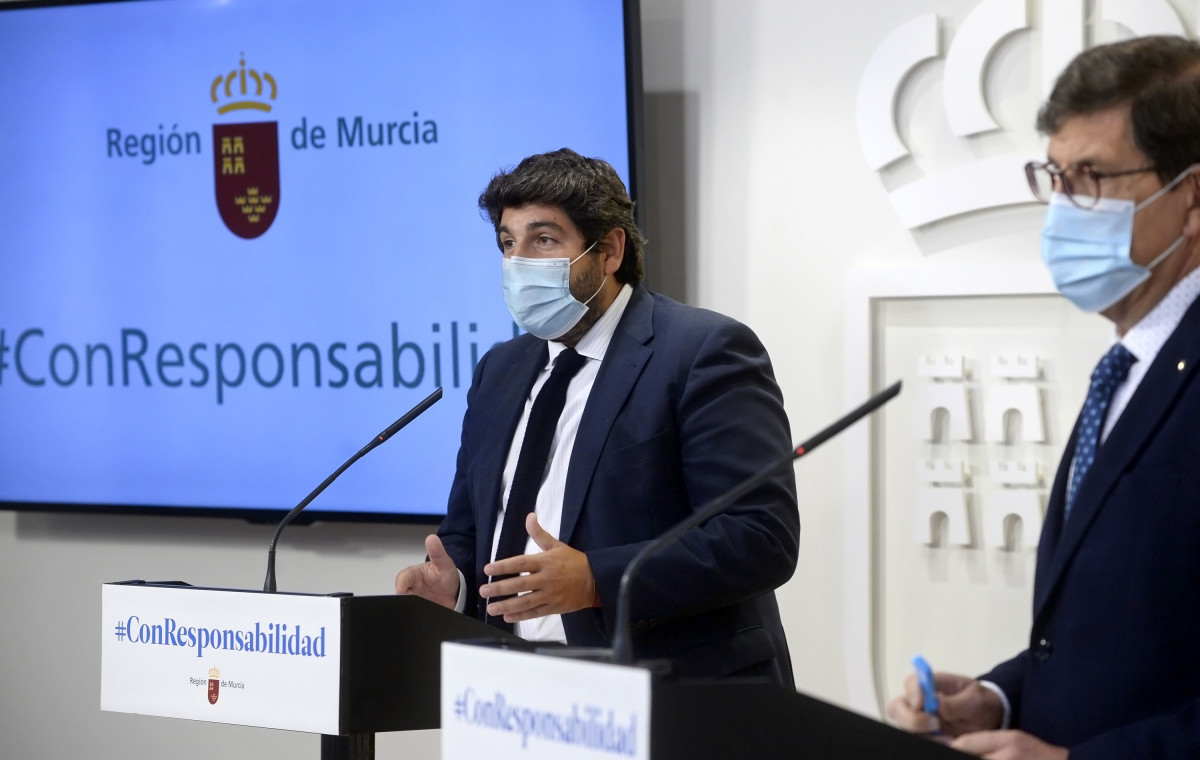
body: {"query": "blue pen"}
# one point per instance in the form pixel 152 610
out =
pixel 925 680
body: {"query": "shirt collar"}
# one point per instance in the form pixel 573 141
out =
pixel 1145 339
pixel 594 343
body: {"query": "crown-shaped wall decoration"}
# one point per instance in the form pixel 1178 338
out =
pixel 992 180
pixel 237 95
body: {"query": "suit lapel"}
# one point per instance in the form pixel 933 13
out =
pixel 626 357
pixel 1052 528
pixel 1147 409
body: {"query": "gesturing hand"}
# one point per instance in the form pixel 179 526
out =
pixel 555 581
pixel 435 579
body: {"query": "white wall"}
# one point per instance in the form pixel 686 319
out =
pixel 763 205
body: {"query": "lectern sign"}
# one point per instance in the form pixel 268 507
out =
pixel 502 703
pixel 222 656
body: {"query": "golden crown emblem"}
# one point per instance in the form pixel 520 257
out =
pixel 214 673
pixel 240 87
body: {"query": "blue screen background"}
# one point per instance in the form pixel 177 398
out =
pixel 98 247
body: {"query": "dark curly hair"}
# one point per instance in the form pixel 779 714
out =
pixel 1158 77
pixel 587 189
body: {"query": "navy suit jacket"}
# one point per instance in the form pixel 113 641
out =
pixel 1113 664
pixel 684 407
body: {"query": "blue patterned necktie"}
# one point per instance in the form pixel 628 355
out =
pixel 1109 373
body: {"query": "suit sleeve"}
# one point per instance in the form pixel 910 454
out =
pixel 730 424
pixel 1010 676
pixel 457 530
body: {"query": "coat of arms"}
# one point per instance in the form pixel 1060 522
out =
pixel 246 156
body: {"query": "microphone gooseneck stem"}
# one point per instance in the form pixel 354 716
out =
pixel 622 642
pixel 409 416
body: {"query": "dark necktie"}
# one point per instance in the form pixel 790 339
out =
pixel 1109 373
pixel 534 457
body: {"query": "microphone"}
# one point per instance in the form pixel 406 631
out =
pixel 622 653
pixel 409 416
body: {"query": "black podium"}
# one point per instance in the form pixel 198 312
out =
pixel 578 698
pixel 707 721
pixel 391 650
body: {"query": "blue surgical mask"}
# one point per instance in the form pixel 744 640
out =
pixel 1087 250
pixel 538 295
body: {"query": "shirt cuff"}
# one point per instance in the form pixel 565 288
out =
pixel 461 603
pixel 1004 724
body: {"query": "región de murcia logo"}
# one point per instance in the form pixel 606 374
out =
pixel 214 685
pixel 245 157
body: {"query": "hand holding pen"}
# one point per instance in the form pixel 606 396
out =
pixel 929 698
pixel 944 704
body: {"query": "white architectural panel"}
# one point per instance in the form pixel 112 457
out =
pixel 950 502
pixel 1025 399
pixel 949 396
pixel 1025 503
pixel 985 184
pixel 942 366
pixel 1062 37
pixel 943 472
pixel 1014 366
pixel 990 22
pixel 907 46
pixel 1143 17
pixel 1017 473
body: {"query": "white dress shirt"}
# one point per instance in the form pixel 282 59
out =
pixel 1145 339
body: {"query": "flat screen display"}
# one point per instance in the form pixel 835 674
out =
pixel 239 238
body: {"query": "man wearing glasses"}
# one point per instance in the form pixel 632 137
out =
pixel 1113 664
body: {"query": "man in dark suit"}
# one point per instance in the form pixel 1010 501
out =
pixel 1113 664
pixel 671 407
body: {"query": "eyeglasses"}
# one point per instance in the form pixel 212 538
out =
pixel 1079 182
